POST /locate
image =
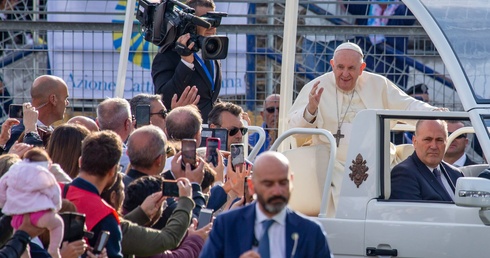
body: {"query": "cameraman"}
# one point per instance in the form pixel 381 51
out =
pixel 172 72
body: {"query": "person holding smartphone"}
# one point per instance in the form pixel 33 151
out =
pixel 186 123
pixel 145 241
pixel 229 116
pixel 99 165
pixel 49 96
pixel 146 152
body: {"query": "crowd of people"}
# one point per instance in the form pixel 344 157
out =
pixel 113 172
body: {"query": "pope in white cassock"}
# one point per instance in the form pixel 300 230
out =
pixel 332 100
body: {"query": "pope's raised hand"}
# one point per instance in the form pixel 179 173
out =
pixel 314 98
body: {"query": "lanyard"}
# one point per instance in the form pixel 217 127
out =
pixel 208 74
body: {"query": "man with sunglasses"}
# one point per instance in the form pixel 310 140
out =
pixel 455 154
pixel 270 115
pixel 158 111
pixel 228 115
pixel 172 72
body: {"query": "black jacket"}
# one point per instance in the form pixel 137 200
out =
pixel 171 76
pixel 16 245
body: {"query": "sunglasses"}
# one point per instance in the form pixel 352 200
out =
pixel 162 113
pixel 234 130
pixel 272 109
pixel 459 136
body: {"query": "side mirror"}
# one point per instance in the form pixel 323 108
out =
pixel 474 192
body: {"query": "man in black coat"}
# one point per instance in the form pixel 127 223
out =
pixel 424 175
pixel 172 72
pixel 455 154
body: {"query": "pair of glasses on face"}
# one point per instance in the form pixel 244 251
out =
pixel 234 130
pixel 459 136
pixel 272 109
pixel 161 113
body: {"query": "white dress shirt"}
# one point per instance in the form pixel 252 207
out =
pixel 445 182
pixel 460 162
pixel 277 231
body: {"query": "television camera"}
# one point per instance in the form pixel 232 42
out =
pixel 163 23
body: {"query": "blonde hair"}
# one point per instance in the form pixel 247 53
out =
pixel 6 161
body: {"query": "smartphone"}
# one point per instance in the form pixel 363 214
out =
pixel 220 133
pixel 237 154
pixel 74 228
pixel 101 241
pixel 248 198
pixel 205 216
pixel 170 188
pixel 142 115
pixel 212 148
pixel 189 153
pixel 16 111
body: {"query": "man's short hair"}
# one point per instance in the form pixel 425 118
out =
pixel 112 113
pixel 270 96
pixel 441 122
pixel 143 155
pixel 214 116
pixel 142 99
pixel 139 189
pixel 183 122
pixel 202 3
pixel 101 151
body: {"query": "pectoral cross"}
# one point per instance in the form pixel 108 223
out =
pixel 338 136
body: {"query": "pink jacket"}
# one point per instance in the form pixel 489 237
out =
pixel 29 187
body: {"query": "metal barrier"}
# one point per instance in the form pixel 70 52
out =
pixel 263 31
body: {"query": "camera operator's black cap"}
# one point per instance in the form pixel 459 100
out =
pixel 420 88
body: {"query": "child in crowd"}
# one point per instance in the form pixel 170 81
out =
pixel 29 187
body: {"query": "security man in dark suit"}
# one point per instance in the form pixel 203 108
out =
pixel 424 175
pixel 455 154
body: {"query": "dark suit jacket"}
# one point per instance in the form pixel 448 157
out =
pixel 469 161
pixel 171 76
pixel 412 180
pixel 233 235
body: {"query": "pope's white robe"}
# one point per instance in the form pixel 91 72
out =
pixel 372 91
